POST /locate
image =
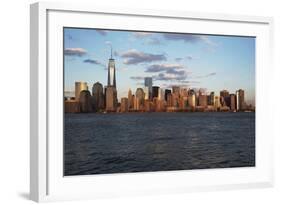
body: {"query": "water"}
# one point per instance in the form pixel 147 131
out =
pixel 141 142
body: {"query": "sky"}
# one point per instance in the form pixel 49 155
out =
pixel 210 62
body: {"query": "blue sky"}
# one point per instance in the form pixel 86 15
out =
pixel 197 61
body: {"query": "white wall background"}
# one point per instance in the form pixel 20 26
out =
pixel 14 114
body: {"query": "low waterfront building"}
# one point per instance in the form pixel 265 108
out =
pixel 71 106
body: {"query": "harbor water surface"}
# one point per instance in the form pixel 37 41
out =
pixel 143 142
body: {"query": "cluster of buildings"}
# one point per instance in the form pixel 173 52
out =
pixel 151 98
pixel 155 99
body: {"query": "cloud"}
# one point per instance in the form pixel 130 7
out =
pixel 171 76
pixel 135 57
pixel 92 61
pixel 189 38
pixel 168 72
pixel 177 72
pixel 182 37
pixel 149 39
pixel 162 67
pixel 75 52
pixel 137 77
pixel 205 76
pixel 182 84
pixel 102 32
pixel 95 62
pixel 190 81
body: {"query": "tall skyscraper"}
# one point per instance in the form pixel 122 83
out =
pixel 111 77
pixel 225 98
pixel 169 100
pixel 98 97
pixel 146 92
pixel 192 100
pixel 111 96
pixel 130 99
pixel 79 86
pixel 160 94
pixel 240 101
pixel 155 91
pixel 224 93
pixel 85 101
pixel 167 91
pixel 140 96
pixel 176 90
pixel 217 103
pixel 148 83
pixel 232 102
pixel 211 99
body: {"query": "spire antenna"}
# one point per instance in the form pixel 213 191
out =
pixel 111 51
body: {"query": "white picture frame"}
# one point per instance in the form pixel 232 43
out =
pixel 47 182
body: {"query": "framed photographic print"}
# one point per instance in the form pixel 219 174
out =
pixel 127 102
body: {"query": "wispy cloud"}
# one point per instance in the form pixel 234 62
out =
pixel 182 37
pixel 205 76
pixel 95 62
pixel 137 77
pixel 177 76
pixel 162 67
pixel 135 57
pixel 92 61
pixel 189 38
pixel 182 84
pixel 168 72
pixel 75 52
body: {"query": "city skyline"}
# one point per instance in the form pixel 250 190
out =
pixel 213 63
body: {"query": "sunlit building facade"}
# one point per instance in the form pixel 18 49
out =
pixel 111 99
pixel 111 76
pixel 148 84
pixel 79 86
pixel 240 103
